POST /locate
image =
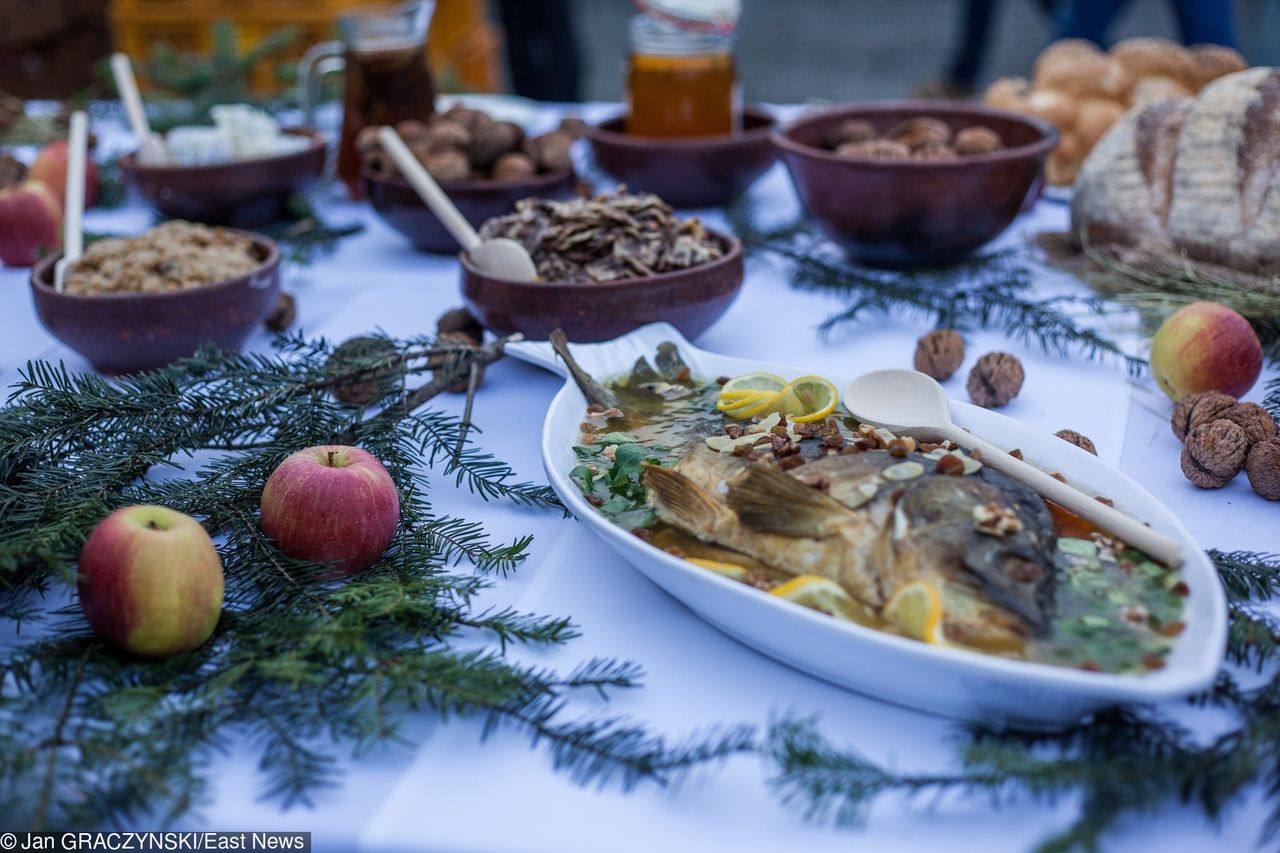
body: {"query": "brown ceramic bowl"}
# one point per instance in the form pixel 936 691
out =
pixel 690 299
pixel 696 172
pixel 130 332
pixel 242 194
pixel 902 213
pixel 399 205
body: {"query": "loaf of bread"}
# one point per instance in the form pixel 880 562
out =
pixel 1199 175
pixel 1083 91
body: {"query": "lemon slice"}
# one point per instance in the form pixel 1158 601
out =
pixel 745 400
pixel 753 382
pixel 808 399
pixel 756 407
pixel 729 570
pixel 916 610
pixel 822 594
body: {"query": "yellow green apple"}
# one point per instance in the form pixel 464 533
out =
pixel 331 504
pixel 1205 346
pixel 150 581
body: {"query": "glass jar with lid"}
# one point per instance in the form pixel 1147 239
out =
pixel 681 81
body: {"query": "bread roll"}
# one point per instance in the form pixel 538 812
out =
pixel 1212 61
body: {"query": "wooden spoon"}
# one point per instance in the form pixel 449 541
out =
pixel 500 258
pixel 151 145
pixel 73 204
pixel 904 401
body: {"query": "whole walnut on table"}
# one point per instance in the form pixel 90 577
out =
pixel 1214 453
pixel 1195 409
pixel 1262 466
pixel 1080 440
pixel 940 353
pixel 1257 423
pixel 995 380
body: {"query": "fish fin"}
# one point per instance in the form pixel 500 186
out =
pixel 591 389
pixel 668 360
pixel 681 501
pixel 767 500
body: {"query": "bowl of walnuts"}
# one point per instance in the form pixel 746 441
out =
pixel 901 184
pixel 485 166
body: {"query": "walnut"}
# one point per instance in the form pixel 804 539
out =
pixel 461 320
pixel 551 151
pixel 411 130
pixel 1083 442
pixel 1214 453
pixel 995 380
pixel 283 315
pixel 575 127
pixel 940 353
pixel 851 130
pixel 1195 409
pixel 448 134
pixel 1263 468
pixel 919 131
pixel 875 149
pixel 464 116
pixel 1257 423
pixel 977 139
pixel 514 166
pixel 934 151
pixel 447 165
pixel 493 139
pixel 367 141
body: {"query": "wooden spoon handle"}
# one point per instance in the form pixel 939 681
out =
pixel 127 85
pixel 427 188
pixel 1129 530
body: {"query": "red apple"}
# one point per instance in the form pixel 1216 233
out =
pixel 1205 346
pixel 50 167
pixel 331 504
pixel 30 221
pixel 150 581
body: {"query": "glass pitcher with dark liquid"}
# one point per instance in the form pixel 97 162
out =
pixel 383 56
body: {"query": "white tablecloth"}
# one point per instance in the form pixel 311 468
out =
pixel 450 792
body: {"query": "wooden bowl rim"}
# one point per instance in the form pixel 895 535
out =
pixel 129 162
pixel 42 277
pixel 782 137
pixel 608 133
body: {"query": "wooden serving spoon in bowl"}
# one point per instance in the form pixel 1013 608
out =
pixel 911 403
pixel 500 258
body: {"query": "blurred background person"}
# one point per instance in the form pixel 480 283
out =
pixel 542 50
pixel 1199 21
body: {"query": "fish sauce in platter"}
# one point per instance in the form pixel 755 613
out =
pixel 866 526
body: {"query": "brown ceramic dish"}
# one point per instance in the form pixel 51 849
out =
pixel 242 194
pixel 913 212
pixel 399 205
pixel 130 332
pixel 696 172
pixel 690 299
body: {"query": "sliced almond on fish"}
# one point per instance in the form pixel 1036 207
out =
pixel 904 471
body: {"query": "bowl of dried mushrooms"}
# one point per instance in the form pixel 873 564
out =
pixel 606 265
pixel 139 303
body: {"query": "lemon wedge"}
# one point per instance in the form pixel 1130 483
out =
pixel 809 398
pixel 822 594
pixel 729 570
pixel 916 610
pixel 744 400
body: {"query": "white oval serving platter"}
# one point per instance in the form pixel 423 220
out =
pixel 947 681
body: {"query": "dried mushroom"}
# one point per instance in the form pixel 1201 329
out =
pixel 606 238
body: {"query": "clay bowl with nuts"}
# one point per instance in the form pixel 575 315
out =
pixel 901 184
pixel 478 200
pixel 690 299
pixel 129 332
pixel 695 172
pixel 238 194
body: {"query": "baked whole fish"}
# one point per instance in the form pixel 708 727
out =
pixel 875 522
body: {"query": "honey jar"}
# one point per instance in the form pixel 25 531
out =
pixel 681 82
